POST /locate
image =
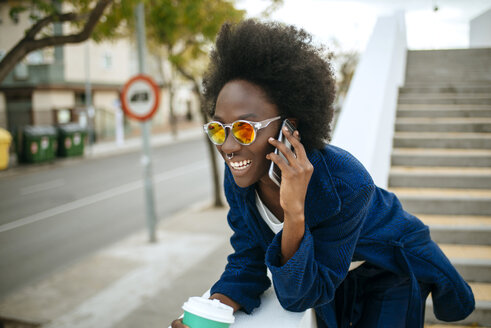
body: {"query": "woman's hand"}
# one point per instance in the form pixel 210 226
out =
pixel 178 324
pixel 295 175
pixel 295 178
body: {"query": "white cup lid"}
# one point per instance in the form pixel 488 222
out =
pixel 209 309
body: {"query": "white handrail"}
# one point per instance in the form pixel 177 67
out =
pixel 366 123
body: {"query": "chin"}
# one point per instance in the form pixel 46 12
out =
pixel 243 183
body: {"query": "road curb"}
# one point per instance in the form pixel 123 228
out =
pixel 101 150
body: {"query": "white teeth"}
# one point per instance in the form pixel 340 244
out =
pixel 241 165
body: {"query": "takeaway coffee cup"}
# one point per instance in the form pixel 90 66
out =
pixel 201 312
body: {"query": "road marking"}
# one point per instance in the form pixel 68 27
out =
pixel 42 187
pixel 158 178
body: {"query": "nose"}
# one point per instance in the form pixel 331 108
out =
pixel 230 145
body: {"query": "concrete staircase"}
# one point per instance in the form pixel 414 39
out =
pixel 441 161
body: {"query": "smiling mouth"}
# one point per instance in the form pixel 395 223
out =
pixel 241 165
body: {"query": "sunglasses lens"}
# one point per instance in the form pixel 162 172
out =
pixel 216 133
pixel 243 132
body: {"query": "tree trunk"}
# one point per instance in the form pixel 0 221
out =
pixel 211 147
pixel 172 114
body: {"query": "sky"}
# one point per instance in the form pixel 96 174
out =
pixel 351 22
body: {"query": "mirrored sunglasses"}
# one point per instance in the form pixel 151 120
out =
pixel 244 132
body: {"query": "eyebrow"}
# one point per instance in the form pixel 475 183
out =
pixel 242 117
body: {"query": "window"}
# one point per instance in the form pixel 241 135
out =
pixel 107 60
pixel 35 57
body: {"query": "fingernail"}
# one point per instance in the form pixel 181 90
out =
pixel 270 139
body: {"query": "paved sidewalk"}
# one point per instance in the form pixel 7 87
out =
pixel 132 283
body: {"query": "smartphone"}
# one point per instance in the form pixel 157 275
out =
pixel 274 170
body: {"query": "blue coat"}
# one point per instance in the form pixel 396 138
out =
pixel 347 218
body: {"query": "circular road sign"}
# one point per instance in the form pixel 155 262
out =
pixel 140 97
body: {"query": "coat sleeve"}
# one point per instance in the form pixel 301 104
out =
pixel 310 278
pixel 245 277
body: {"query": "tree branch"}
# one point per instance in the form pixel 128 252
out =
pixel 29 43
pixel 42 23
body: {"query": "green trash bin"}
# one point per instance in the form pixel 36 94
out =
pixel 39 144
pixel 71 140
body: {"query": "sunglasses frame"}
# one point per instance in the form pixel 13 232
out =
pixel 255 125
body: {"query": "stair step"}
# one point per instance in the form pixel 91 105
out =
pixel 440 177
pixel 442 140
pixel 473 262
pixel 427 111
pixel 455 220
pixel 441 157
pixel 445 95
pixel 449 66
pixel 446 100
pixel 459 229
pixel 443 124
pixel 476 252
pixel 431 88
pixel 481 315
pixel 445 201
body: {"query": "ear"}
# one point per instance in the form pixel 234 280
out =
pixel 294 121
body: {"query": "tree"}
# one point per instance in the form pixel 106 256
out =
pixel 86 15
pixel 185 30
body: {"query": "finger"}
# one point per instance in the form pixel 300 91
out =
pixel 297 145
pixel 178 324
pixel 279 161
pixel 286 151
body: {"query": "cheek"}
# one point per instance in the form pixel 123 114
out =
pixel 262 151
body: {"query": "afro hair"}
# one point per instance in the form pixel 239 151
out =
pixel 281 59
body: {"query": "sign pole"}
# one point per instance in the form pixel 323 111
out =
pixel 146 159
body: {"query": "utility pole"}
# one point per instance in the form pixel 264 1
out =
pixel 89 109
pixel 146 159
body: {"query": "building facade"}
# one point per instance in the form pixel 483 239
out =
pixel 78 83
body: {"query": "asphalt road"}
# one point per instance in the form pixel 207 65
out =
pixel 58 214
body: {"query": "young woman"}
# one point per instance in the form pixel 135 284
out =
pixel 332 240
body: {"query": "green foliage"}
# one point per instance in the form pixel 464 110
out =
pixel 185 27
pixel 38 8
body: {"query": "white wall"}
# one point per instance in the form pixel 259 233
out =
pixel 44 101
pixel 480 31
pixel 108 61
pixel 366 123
pixel 105 99
pixel 10 31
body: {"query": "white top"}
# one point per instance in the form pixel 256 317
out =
pixel 275 225
pixel 271 220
